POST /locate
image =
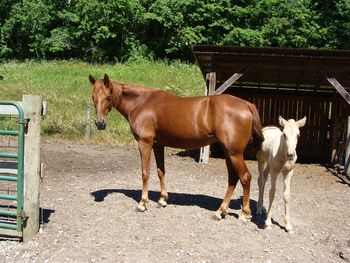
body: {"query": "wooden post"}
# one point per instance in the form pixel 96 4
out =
pixel 347 150
pixel 32 110
pixel 210 90
pixel 88 125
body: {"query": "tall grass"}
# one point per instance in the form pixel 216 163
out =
pixel 65 87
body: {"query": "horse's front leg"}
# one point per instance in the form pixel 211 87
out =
pixel 145 149
pixel 268 221
pixel 159 155
pixel 287 176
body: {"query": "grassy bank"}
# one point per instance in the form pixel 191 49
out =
pixel 65 87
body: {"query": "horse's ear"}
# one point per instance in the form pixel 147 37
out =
pixel 92 80
pixel 301 122
pixel 281 121
pixel 106 80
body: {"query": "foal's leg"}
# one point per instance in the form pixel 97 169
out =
pixel 268 221
pixel 145 152
pixel 159 155
pixel 263 174
pixel 287 176
pixel 232 182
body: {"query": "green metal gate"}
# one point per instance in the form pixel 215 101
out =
pixel 12 219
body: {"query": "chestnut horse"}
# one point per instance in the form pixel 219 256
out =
pixel 158 119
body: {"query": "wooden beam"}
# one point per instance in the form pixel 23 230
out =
pixel 231 80
pixel 339 88
pixel 228 83
pixel 347 150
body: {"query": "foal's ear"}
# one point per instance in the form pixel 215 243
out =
pixel 282 121
pixel 92 80
pixel 106 80
pixel 301 122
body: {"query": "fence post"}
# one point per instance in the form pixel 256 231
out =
pixel 88 125
pixel 347 150
pixel 210 90
pixel 32 107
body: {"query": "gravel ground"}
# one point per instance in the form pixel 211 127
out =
pixel 89 194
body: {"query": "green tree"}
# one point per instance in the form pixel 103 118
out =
pixel 106 29
pixel 23 34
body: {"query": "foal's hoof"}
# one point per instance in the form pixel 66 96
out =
pixel 268 224
pixel 141 208
pixel 162 202
pixel 289 229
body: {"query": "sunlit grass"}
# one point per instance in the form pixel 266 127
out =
pixel 65 87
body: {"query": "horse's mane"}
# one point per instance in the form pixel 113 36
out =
pixel 130 90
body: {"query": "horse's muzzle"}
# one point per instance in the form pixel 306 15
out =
pixel 101 124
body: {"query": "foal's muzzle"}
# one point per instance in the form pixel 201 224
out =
pixel 290 156
pixel 101 124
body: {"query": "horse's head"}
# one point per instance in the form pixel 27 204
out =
pixel 291 134
pixel 102 97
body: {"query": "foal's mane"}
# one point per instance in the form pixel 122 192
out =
pixel 271 127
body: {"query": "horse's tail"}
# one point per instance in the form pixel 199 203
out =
pixel 257 134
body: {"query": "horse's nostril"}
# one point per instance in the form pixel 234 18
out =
pixel 290 155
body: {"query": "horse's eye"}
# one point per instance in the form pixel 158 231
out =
pixel 108 97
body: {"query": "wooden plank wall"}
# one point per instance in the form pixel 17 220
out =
pixel 321 110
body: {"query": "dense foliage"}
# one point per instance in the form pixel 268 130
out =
pixel 119 30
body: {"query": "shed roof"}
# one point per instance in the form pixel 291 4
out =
pixel 282 68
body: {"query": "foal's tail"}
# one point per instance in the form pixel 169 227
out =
pixel 257 134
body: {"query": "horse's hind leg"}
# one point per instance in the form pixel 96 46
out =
pixel 244 177
pixel 232 182
pixel 263 174
pixel 159 155
pixel 237 170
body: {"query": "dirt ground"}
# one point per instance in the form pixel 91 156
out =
pixel 90 192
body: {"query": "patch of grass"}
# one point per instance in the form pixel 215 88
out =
pixel 65 87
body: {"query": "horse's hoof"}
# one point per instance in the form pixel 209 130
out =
pixel 217 216
pixel 141 208
pixel 243 218
pixel 162 202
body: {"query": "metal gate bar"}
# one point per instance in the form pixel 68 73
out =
pixel 19 156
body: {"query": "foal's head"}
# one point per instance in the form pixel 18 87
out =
pixel 102 97
pixel 291 134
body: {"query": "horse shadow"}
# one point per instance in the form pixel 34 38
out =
pixel 184 199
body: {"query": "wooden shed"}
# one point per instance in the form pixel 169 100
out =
pixel 292 83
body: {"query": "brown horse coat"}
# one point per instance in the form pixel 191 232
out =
pixel 158 119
